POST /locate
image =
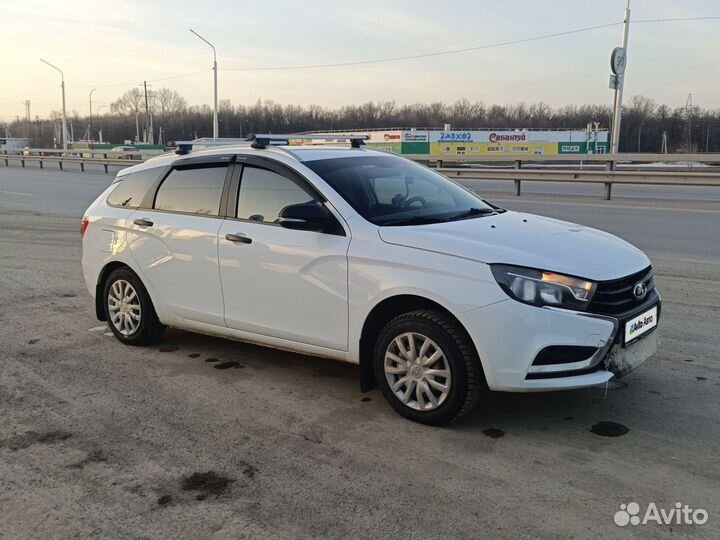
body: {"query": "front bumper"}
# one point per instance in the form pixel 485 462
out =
pixel 510 335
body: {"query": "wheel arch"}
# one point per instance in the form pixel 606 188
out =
pixel 379 316
pixel 108 269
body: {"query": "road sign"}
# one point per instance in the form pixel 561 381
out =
pixel 614 82
pixel 618 60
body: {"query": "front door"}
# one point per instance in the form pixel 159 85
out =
pixel 278 282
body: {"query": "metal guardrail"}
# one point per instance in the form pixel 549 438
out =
pixel 61 160
pixel 691 176
pixel 607 178
pixel 502 157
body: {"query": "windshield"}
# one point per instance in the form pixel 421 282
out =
pixel 388 190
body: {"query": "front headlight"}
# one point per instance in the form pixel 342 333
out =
pixel 541 288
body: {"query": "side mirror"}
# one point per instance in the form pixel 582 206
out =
pixel 312 216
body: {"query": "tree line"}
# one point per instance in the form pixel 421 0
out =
pixel 686 129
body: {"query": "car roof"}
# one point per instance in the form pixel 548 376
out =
pixel 299 153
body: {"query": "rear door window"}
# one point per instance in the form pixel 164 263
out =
pixel 132 188
pixel 196 190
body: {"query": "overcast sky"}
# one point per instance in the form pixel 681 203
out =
pixel 114 45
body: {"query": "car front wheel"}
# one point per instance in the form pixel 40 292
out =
pixel 427 367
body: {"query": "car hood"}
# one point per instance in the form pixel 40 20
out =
pixel 526 240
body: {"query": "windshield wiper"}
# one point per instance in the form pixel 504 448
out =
pixel 414 220
pixel 472 212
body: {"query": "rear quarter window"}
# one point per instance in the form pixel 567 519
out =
pixel 132 188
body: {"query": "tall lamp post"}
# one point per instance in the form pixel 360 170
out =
pixel 619 82
pixel 100 108
pixel 90 131
pixel 64 117
pixel 215 70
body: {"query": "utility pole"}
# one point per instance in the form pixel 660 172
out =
pixel 707 139
pixel 100 139
pixel 617 115
pixel 688 114
pixel 147 114
pixel 64 117
pixel 215 71
pixel 27 117
pixel 639 135
pixel 90 127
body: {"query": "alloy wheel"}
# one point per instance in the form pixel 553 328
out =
pixel 417 371
pixel 124 307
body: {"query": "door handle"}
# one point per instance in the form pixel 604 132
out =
pixel 239 238
pixel 143 222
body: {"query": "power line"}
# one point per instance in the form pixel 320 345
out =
pixel 431 54
pixel 133 83
pixel 26 94
pixel 677 19
pixel 466 49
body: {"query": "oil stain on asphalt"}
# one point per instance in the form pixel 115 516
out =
pixel 206 483
pixel 228 365
pixel 609 429
pixel 493 433
pixel 168 349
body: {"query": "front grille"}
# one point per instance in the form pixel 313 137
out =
pixel 616 297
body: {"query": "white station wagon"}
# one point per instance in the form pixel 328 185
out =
pixel 366 257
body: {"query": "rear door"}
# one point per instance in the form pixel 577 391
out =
pixel 174 239
pixel 278 282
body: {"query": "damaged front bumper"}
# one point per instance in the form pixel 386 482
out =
pixel 622 360
pixel 528 349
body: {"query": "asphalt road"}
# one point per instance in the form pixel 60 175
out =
pixel 99 440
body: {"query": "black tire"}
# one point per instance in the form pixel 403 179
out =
pixel 467 377
pixel 150 329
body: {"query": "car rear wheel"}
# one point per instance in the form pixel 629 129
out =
pixel 129 310
pixel 427 367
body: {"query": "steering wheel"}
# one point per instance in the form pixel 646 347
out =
pixel 416 198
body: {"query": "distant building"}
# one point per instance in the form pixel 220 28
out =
pixel 471 142
pixel 13 143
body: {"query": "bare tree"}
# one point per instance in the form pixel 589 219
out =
pixel 131 102
pixel 168 102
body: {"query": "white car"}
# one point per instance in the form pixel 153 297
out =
pixel 126 152
pixel 366 257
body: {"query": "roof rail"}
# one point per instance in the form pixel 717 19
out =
pixel 265 140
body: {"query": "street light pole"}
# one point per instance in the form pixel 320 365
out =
pixel 100 108
pixel 215 72
pixel 64 117
pixel 90 132
pixel 619 90
pixel 707 140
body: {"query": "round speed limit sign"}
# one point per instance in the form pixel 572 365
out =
pixel 618 60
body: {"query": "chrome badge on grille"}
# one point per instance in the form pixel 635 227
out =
pixel 640 290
